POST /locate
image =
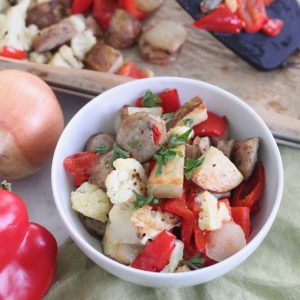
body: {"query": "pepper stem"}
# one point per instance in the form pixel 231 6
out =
pixel 6 186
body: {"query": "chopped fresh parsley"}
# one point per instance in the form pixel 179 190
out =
pixel 163 156
pixel 175 139
pixel 117 153
pixel 168 117
pixel 191 165
pixel 136 144
pixel 150 99
pixel 143 200
pixel 188 122
pixel 195 263
pixel 101 149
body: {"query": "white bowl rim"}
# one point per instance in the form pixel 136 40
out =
pixel 241 255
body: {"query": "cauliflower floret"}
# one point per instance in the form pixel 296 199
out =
pixel 82 43
pixel 175 258
pixel 128 176
pixel 13 31
pixel 179 130
pixel 211 215
pixel 78 21
pixel 151 223
pixel 40 58
pixel 65 58
pixel 91 201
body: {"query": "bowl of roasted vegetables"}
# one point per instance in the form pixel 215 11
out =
pixel 167 182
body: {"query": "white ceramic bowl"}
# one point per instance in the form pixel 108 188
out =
pixel 98 115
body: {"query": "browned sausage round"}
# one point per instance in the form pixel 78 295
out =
pixel 101 170
pixel 135 135
pixel 94 227
pixel 100 139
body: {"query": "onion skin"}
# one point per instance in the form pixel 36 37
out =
pixel 31 121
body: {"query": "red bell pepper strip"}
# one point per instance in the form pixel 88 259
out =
pixel 253 14
pixel 12 52
pixel 178 207
pixel 27 253
pixel 249 192
pixel 200 238
pixel 80 165
pixel 220 20
pixel 155 256
pixel 131 70
pixel 156 134
pixel 103 10
pixel 169 101
pixel 267 2
pixel 80 6
pixel 273 27
pixel 241 216
pixel 212 126
pixel 130 6
pixel 152 164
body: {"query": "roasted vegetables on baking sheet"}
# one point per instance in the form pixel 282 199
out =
pixel 170 191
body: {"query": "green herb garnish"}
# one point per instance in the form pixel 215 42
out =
pixel 195 263
pixel 168 117
pixel 175 139
pixel 136 144
pixel 163 156
pixel 188 122
pixel 101 149
pixel 191 165
pixel 143 200
pixel 5 186
pixel 117 153
pixel 150 99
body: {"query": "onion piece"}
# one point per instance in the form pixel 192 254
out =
pixel 225 241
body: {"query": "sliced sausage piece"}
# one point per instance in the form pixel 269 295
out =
pixel 92 25
pixel 104 58
pixel 100 139
pixel 101 170
pixel 123 29
pixel 45 14
pixel 94 227
pixel 55 35
pixel 226 146
pixel 245 156
pixel 136 135
pixel 161 43
pixel 199 146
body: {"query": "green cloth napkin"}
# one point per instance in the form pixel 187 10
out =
pixel 272 272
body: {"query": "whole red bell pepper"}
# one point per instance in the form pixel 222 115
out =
pixel 12 52
pixel 220 20
pixel 80 165
pixel 253 14
pixel 80 6
pixel 170 102
pixel 273 27
pixel 212 126
pixel 248 193
pixel 155 256
pixel 27 253
pixel 131 70
pixel 241 216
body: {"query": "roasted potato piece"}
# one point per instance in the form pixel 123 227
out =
pixel 161 43
pixel 94 227
pixel 217 173
pixel 45 14
pixel 57 34
pixel 245 156
pixel 123 29
pixel 100 139
pixel 101 170
pixel 194 110
pixel 148 6
pixel 169 184
pixel 136 136
pixel 104 58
